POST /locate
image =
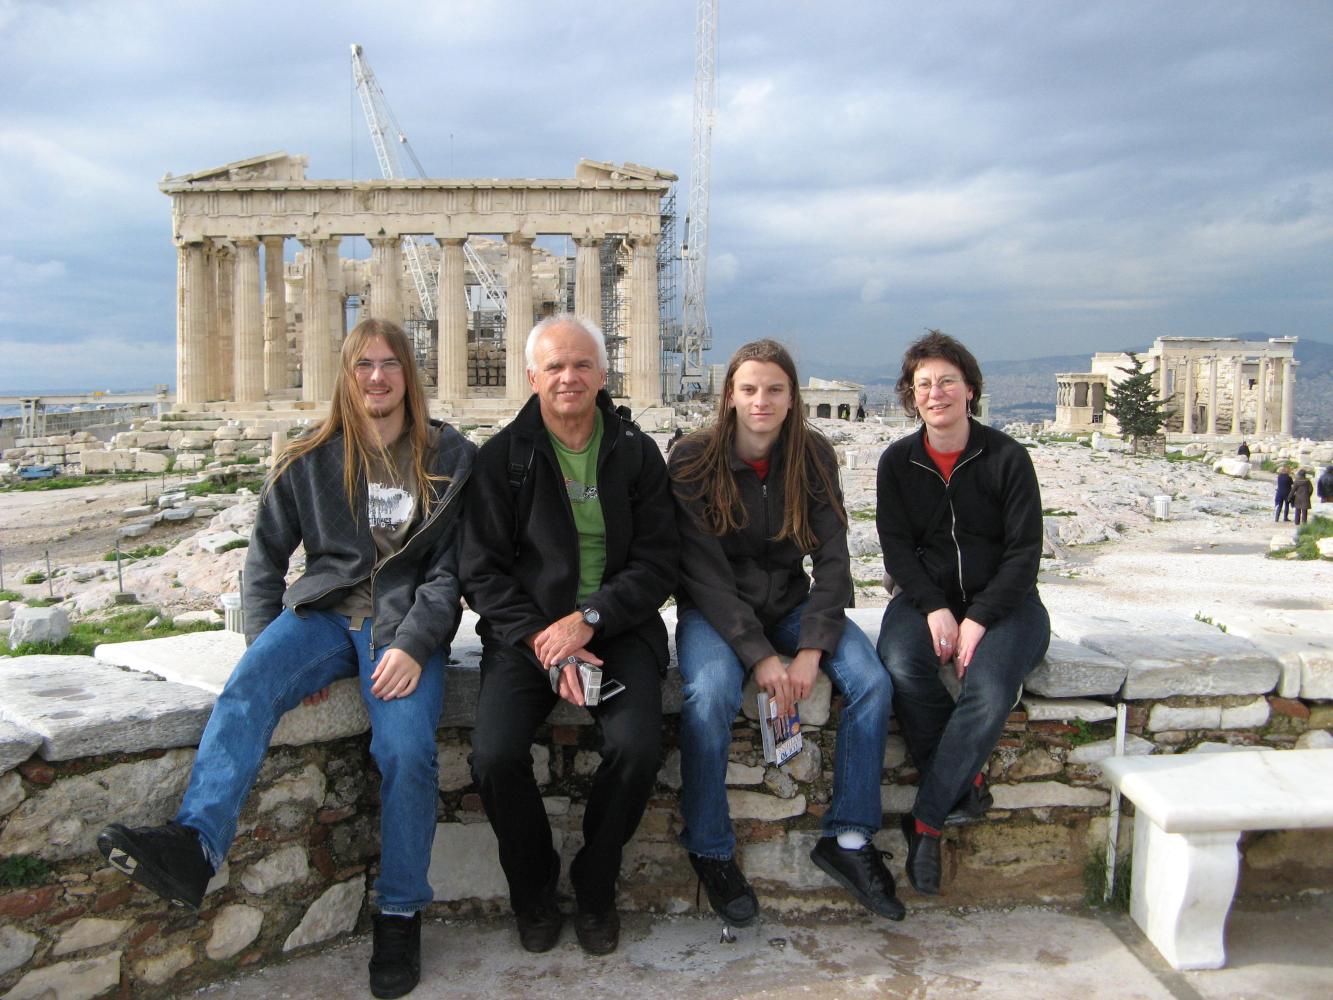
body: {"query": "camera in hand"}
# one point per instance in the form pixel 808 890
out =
pixel 595 691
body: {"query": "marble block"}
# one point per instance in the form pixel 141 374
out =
pixel 1069 670
pixel 1090 755
pixel 465 863
pixel 343 714
pixel 1311 621
pixel 1044 794
pixel 1061 709
pixel 787 861
pixel 1190 663
pixel 1076 626
pixel 80 707
pixel 16 744
pixel 1164 717
pixel 1306 657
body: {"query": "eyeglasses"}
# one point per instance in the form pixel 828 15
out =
pixel 390 367
pixel 946 384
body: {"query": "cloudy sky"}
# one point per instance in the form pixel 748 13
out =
pixel 1035 177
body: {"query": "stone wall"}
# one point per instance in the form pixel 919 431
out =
pixel 86 741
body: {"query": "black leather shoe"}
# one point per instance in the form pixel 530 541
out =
pixel 395 959
pixel 599 935
pixel 862 873
pixel 972 807
pixel 539 925
pixel 168 860
pixel 729 894
pixel 923 858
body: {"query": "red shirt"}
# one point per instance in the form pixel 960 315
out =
pixel 944 460
pixel 760 468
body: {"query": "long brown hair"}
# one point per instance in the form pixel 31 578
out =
pixel 805 475
pixel 348 416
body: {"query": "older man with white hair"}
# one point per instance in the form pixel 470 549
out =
pixel 569 550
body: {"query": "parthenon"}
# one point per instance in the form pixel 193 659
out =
pixel 232 325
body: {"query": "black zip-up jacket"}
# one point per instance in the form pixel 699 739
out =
pixel 746 580
pixel 521 551
pixel 415 591
pixel 982 556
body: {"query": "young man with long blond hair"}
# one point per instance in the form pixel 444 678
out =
pixel 372 495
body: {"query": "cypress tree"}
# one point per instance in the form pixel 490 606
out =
pixel 1134 404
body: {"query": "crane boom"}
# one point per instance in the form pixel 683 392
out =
pixel 694 253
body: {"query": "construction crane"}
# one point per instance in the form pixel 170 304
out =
pixel 387 136
pixel 695 335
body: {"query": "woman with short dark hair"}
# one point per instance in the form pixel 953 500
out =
pixel 959 517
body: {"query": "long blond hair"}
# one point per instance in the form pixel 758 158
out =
pixel 348 416
pixel 805 476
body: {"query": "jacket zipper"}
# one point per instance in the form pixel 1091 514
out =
pixel 953 518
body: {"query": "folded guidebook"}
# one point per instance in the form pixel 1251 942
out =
pixel 781 733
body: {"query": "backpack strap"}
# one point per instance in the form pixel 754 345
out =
pixel 520 462
pixel 634 456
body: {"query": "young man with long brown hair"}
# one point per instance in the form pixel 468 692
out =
pixel 372 495
pixel 756 493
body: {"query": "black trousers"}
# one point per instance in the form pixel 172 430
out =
pixel 515 699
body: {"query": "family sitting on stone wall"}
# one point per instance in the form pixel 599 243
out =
pixel 566 533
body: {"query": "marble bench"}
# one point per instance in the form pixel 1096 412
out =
pixel 1190 813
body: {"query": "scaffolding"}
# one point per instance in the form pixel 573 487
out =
pixel 614 259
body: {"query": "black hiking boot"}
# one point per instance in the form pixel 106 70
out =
pixel 395 961
pixel 729 894
pixel 168 860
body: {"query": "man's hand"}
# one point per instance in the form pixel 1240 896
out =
pixel 395 676
pixel 571 687
pixel 561 639
pixel 802 672
pixel 314 699
pixel 943 633
pixel 969 634
pixel 772 678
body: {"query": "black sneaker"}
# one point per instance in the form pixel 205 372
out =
pixel 395 961
pixel 972 807
pixel 862 873
pixel 729 894
pixel 539 924
pixel 169 860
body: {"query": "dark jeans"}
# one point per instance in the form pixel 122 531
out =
pixel 950 743
pixel 1283 509
pixel 515 699
pixel 1302 514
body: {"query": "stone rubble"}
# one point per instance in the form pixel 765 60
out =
pixel 333 913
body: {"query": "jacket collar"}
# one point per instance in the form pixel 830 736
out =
pixel 775 457
pixel 529 423
pixel 976 442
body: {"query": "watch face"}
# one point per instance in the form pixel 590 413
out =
pixel 591 616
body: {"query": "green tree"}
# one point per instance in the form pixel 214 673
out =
pixel 1134 403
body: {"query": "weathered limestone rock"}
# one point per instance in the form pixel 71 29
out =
pixel 304 786
pixel 807 764
pixel 779 783
pixel 279 868
pixel 6 611
pixel 1041 794
pixel 81 707
pixel 897 799
pixel 787 861
pixel 38 625
pixel 465 863
pixel 670 773
pixel 1164 717
pixel 454 772
pixel 150 461
pixel 1036 763
pixel 135 530
pixel 223 541
pixel 1090 753
pixel 200 659
pixel 234 928
pixel 78 980
pixel 742 774
pixel 1315 739
pixel 157 969
pixel 196 618
pixel 113 460
pixel 152 439
pixel 757 805
pixel 219 880
pixel 89 932
pixel 190 440
pixel 16 947
pixel 541 763
pixel 16 744
pixel 1234 467
pixel 332 914
pixel 11 792
pixel 814 711
pixel 1077 627
pixel 1069 670
pixel 64 820
pixel 1159 666
pixel 227 434
pixel 181 513
pixel 1250 716
pixel 895 752
pixel 1058 710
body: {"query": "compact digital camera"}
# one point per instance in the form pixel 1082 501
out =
pixel 590 679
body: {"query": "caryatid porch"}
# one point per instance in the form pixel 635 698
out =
pixel 231 334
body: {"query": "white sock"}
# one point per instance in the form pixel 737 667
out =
pixel 852 840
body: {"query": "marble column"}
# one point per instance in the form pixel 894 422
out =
pixel 225 335
pixel 1212 395
pixel 588 279
pixel 275 318
pixel 386 278
pixel 192 363
pixel 1261 400
pixel 451 311
pixel 181 258
pixel 1187 424
pixel 1288 395
pixel 248 313
pixel 213 359
pixel 645 349
pixel 337 300
pixel 518 315
pixel 317 370
pixel 1237 393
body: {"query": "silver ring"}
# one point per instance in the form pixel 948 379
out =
pixel 944 642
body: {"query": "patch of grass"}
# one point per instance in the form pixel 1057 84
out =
pixel 1084 734
pixel 1094 880
pixel 142 552
pixel 1176 456
pixel 1057 512
pixel 1307 539
pixel 10 595
pixel 58 483
pixel 34 578
pixel 125 627
pixel 20 869
pixel 244 460
pixel 1208 621
pixel 862 515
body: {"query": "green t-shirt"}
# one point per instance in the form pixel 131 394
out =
pixel 580 471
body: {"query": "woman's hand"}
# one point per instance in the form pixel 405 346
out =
pixel 802 672
pixel 969 634
pixel 944 633
pixel 314 699
pixel 395 675
pixel 772 678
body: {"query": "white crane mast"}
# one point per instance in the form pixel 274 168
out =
pixel 694 252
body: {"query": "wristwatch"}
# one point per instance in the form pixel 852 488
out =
pixel 591 616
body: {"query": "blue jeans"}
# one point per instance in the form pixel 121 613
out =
pixel 950 743
pixel 295 657
pixel 713 677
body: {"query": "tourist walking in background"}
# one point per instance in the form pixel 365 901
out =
pixel 1244 451
pixel 1326 486
pixel 959 518
pixel 371 494
pixel 756 493
pixel 1282 499
pixel 1302 490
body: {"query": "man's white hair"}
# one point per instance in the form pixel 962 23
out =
pixel 582 322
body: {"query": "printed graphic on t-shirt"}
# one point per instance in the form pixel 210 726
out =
pixel 390 507
pixel 580 493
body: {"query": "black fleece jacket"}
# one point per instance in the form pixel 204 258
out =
pixel 981 558
pixel 415 591
pixel 747 580
pixel 521 552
